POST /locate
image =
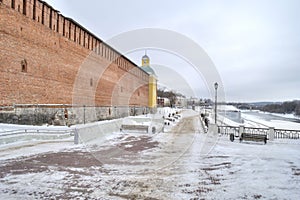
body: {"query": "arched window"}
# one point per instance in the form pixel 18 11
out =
pixel 24 66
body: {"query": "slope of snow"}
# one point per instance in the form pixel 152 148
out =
pixel 264 121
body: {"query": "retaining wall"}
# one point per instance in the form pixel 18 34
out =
pixel 87 133
pixel 65 115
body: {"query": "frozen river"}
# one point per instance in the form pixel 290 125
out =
pixel 259 119
pixel 272 120
pixel 273 117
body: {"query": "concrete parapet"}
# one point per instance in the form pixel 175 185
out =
pixel 213 129
pixel 89 132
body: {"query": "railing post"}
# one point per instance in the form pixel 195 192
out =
pixel 83 114
pixel 213 129
pixel 241 130
pixel 271 133
pixel 76 136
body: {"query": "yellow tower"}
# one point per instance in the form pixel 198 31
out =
pixel 152 81
pixel 145 61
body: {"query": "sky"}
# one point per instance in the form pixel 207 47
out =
pixel 253 44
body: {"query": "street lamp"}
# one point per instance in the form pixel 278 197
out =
pixel 216 88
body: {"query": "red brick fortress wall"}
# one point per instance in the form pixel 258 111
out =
pixel 41 55
pixel 49 59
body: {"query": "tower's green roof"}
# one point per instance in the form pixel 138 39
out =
pixel 149 70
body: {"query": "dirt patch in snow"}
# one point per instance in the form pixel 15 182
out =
pixel 128 147
pixel 138 144
pixel 42 162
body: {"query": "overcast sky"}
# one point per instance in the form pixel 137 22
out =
pixel 254 44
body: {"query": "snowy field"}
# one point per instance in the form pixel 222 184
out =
pixel 183 163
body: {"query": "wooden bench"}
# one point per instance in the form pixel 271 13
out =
pixel 134 127
pixel 253 137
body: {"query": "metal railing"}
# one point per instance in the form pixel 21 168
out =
pixel 277 133
pixel 26 135
pixel 227 130
pixel 36 131
pixel 257 131
pixel 287 134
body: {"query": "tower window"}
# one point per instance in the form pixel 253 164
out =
pixel 91 82
pixel 24 66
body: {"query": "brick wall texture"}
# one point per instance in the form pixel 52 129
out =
pixel 46 58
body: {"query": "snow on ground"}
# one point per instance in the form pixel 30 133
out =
pixel 31 147
pixel 259 171
pixel 14 139
pixel 183 163
pixel 225 121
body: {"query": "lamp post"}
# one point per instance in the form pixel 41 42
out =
pixel 216 88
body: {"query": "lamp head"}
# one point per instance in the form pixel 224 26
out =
pixel 216 85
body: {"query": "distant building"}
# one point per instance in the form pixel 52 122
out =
pixel 163 102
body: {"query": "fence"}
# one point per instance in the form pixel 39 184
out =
pixel 11 136
pixel 257 131
pixel 270 132
pixel 287 134
pixel 227 130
